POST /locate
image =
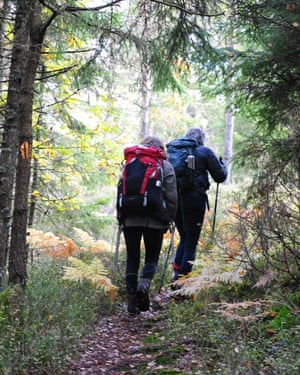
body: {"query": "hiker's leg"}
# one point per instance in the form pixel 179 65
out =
pixel 179 222
pixel 194 211
pixel 133 236
pixel 178 257
pixel 153 240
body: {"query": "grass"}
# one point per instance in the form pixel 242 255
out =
pixel 41 326
pixel 199 340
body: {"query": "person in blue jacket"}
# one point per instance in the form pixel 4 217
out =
pixel 192 203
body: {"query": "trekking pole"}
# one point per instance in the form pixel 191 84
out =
pixel 215 210
pixel 120 228
pixel 170 250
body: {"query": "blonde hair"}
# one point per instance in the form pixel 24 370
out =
pixel 153 141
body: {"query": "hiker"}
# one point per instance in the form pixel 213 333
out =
pixel 150 226
pixel 193 201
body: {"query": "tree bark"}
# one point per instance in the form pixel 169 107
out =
pixel 4 57
pixel 34 186
pixel 18 250
pixel 145 74
pixel 13 116
pixel 228 142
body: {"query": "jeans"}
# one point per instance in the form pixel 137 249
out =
pixel 153 241
pixel 189 221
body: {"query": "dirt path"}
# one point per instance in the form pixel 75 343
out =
pixel 115 346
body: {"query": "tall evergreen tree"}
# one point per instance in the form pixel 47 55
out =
pixel 11 128
pixel 31 24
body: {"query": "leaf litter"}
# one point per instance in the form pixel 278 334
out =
pixel 116 346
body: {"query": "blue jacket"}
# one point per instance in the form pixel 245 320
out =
pixel 207 163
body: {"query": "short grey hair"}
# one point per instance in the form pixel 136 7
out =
pixel 196 133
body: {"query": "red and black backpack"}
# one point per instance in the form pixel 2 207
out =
pixel 140 188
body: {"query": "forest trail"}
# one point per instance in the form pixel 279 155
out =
pixel 116 346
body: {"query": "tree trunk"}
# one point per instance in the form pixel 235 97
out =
pixel 145 101
pixel 145 74
pixel 13 116
pixel 34 186
pixel 18 250
pixel 228 142
pixel 4 58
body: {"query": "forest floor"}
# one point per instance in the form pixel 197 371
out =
pixel 117 345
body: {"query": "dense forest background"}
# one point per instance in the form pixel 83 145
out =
pixel 80 80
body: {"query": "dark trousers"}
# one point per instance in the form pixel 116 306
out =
pixel 153 241
pixel 189 221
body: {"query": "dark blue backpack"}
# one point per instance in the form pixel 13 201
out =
pixel 181 154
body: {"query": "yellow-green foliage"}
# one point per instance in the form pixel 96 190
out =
pixel 94 272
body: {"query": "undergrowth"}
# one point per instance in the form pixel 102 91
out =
pixel 229 328
pixel 39 327
pixel 259 337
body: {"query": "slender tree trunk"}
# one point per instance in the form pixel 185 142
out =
pixel 34 186
pixel 35 167
pixel 13 116
pixel 228 142
pixel 4 58
pixel 18 249
pixel 145 74
pixel 145 101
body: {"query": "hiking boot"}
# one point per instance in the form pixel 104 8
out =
pixel 174 287
pixel 132 307
pixel 175 275
pixel 143 300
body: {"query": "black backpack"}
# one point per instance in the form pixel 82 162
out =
pixel 181 154
pixel 140 188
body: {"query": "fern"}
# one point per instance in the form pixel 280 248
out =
pixel 87 241
pixel 50 244
pixel 245 311
pixel 94 272
pixel 266 278
pixel 208 278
